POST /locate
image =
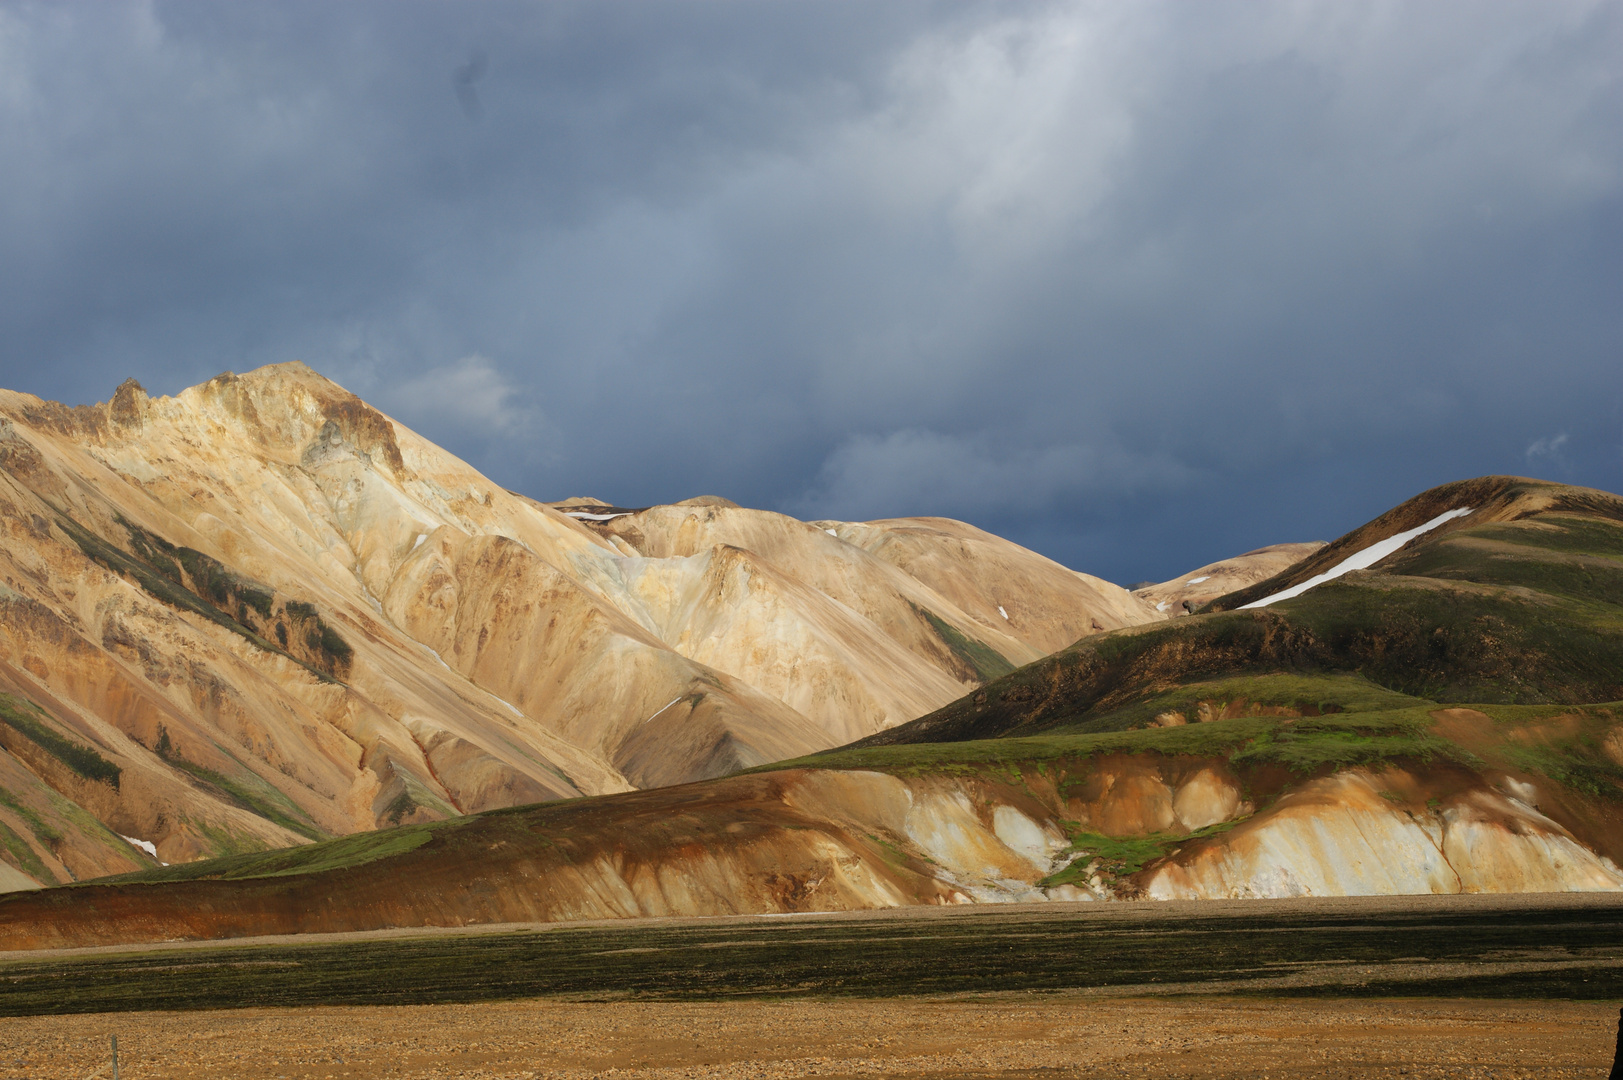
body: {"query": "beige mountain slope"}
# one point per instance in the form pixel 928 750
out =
pixel 1191 591
pixel 261 611
pixel 996 581
pixel 916 640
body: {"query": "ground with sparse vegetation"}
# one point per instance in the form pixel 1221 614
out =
pixel 1378 987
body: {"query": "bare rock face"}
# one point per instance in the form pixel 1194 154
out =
pixel 261 612
pixel 1344 835
pixel 998 582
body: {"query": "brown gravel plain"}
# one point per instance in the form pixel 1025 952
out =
pixel 1006 1036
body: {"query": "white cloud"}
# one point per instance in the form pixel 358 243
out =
pixel 470 396
pixel 1548 446
pixel 1548 449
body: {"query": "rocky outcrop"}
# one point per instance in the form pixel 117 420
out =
pixel 1351 835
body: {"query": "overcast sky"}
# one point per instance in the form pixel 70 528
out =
pixel 1138 284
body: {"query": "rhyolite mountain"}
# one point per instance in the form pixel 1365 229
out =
pixel 261 612
pixel 1429 704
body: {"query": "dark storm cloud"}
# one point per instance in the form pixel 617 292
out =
pixel 1139 284
pixel 466 80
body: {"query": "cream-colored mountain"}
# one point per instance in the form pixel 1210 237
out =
pixel 261 611
pixel 1191 591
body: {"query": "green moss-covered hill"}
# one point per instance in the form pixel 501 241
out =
pixel 1518 603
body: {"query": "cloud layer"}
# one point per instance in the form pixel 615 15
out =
pixel 1141 285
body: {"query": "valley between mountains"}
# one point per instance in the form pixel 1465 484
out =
pixel 272 663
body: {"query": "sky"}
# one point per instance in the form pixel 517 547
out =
pixel 1138 284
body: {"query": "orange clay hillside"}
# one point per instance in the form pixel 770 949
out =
pixel 1443 719
pixel 260 613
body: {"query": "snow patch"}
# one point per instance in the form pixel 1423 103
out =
pixel 1198 580
pixel 1001 612
pixel 145 845
pixel 665 706
pixel 1162 606
pixel 584 516
pixel 417 543
pixel 831 532
pixel 1366 558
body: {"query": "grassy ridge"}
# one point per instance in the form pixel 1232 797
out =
pixel 1303 746
pixel 343 853
pixel 1516 612
pixel 1359 723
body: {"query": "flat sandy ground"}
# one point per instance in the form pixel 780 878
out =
pixel 1060 1035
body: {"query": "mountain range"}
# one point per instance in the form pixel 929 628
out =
pixel 261 614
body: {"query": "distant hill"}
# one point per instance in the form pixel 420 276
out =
pixel 1190 592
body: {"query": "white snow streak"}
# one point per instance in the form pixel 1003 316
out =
pixel 665 706
pixel 1001 612
pixel 1162 606
pixel 584 516
pixel 417 543
pixel 831 532
pixel 515 709
pixel 1368 557
pixel 1198 580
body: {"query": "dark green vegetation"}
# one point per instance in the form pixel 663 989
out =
pixel 25 855
pixel 1117 856
pixel 1373 948
pixel 344 853
pixel 250 793
pixel 25 717
pixel 986 662
pixel 1305 723
pixel 1520 602
pixel 189 580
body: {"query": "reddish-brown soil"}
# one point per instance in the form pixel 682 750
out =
pixel 1063 1036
